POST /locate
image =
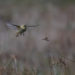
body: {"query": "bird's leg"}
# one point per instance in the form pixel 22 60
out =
pixel 17 35
pixel 23 34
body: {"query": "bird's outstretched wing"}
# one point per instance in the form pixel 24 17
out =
pixel 33 25
pixel 13 26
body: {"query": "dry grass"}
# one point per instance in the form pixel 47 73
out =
pixel 49 65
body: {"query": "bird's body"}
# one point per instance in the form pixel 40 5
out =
pixel 20 32
pixel 21 29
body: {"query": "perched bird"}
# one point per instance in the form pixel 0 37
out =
pixel 20 28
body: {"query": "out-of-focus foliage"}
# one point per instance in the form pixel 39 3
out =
pixel 30 54
pixel 41 2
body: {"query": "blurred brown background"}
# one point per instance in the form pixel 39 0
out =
pixel 57 22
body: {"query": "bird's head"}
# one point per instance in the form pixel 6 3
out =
pixel 23 26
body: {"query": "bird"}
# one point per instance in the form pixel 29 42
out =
pixel 20 28
pixel 46 38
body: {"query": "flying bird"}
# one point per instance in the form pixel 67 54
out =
pixel 46 38
pixel 20 28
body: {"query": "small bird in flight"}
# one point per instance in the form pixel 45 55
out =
pixel 20 28
pixel 46 38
